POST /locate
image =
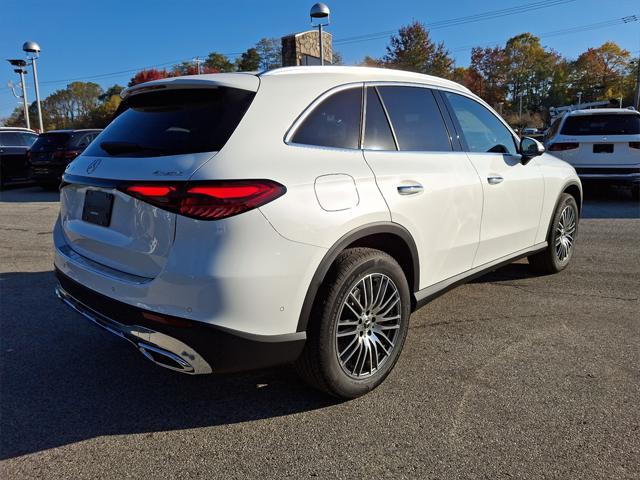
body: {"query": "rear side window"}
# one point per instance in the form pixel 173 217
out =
pixel 377 132
pixel 609 124
pixel 50 141
pixel 173 122
pixel 335 122
pixel 416 119
pixel 482 130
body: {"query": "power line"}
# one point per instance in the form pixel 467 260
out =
pixel 439 24
pixel 565 31
pixel 460 20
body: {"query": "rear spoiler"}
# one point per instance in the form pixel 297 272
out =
pixel 242 81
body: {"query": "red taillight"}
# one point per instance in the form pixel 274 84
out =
pixel 560 147
pixel 209 201
pixel 71 154
pixel 634 145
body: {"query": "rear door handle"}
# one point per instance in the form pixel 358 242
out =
pixel 494 179
pixel 411 189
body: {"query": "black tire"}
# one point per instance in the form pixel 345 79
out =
pixel 635 192
pixel 319 365
pixel 549 260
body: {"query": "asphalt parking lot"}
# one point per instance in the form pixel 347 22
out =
pixel 511 376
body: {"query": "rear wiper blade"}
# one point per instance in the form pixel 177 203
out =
pixel 116 148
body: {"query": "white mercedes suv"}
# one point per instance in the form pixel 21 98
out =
pixel 602 144
pixel 234 221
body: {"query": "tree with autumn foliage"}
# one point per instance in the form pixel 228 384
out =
pixel 412 49
pixel 149 75
pixel 603 72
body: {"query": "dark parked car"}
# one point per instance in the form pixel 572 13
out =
pixel 14 144
pixel 53 151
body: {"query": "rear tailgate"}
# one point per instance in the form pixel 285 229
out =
pixel 159 136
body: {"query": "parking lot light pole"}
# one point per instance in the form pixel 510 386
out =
pixel 320 11
pixel 21 71
pixel 33 51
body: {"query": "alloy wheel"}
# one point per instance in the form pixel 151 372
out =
pixel 565 233
pixel 368 325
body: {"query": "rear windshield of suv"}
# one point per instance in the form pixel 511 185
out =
pixel 173 122
pixel 605 124
pixel 50 141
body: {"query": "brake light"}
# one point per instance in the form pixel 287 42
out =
pixel 560 147
pixel 634 145
pixel 70 154
pixel 211 200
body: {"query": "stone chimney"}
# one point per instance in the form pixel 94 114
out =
pixel 304 49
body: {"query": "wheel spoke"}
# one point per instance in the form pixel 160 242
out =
pixel 368 325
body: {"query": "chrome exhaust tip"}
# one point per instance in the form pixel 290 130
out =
pixel 165 359
pixel 161 349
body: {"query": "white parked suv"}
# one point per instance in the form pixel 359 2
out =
pixel 602 144
pixel 234 221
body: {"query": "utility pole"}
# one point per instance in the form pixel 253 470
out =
pixel 32 49
pixel 320 12
pixel 21 71
pixel 579 98
pixel 636 98
pixel 521 94
pixel 197 61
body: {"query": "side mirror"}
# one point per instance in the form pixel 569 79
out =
pixel 530 147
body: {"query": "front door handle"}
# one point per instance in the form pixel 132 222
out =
pixel 411 189
pixel 494 179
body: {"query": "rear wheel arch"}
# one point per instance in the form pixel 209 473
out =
pixel 388 237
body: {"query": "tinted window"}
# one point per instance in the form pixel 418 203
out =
pixel 335 122
pixel 610 124
pixel 50 141
pixel 416 119
pixel 482 130
pixel 173 122
pixel 11 139
pixel 377 132
pixel 29 138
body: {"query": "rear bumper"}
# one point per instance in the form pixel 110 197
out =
pixel 180 344
pixel 46 173
pixel 626 176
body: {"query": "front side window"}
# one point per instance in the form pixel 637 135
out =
pixel 377 132
pixel 482 130
pixel 335 122
pixel 416 119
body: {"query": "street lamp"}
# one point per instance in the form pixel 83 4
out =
pixel 32 49
pixel 320 11
pixel 20 64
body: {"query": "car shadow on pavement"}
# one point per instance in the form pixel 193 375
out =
pixel 29 194
pixel 63 380
pixel 603 201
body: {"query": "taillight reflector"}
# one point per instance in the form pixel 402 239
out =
pixel 562 146
pixel 211 200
